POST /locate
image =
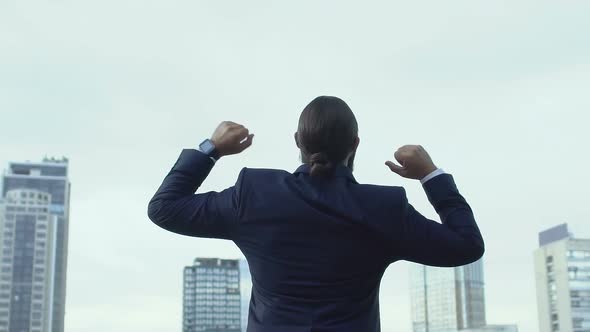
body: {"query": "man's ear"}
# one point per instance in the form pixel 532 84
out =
pixel 296 140
pixel 357 141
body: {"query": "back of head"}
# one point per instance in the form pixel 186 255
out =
pixel 326 134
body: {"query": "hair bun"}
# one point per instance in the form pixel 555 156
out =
pixel 320 164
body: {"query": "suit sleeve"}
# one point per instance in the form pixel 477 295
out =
pixel 176 208
pixel 455 242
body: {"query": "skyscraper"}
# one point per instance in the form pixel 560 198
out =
pixel 245 292
pixel 493 328
pixel 211 296
pixel 447 299
pixel 49 176
pixel 27 253
pixel 562 273
pixel 450 300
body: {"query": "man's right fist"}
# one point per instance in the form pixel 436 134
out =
pixel 231 138
pixel 414 160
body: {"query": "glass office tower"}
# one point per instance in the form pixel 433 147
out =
pixel 27 255
pixel 49 176
pixel 562 273
pixel 447 299
pixel 245 291
pixel 211 296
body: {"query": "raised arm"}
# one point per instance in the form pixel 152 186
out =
pixel 176 207
pixel 457 241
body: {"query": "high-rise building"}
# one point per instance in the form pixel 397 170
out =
pixel 450 300
pixel 27 255
pixel 562 273
pixel 447 299
pixel 493 328
pixel 49 176
pixel 245 292
pixel 211 296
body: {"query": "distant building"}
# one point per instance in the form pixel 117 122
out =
pixel 562 273
pixel 493 328
pixel 245 292
pixel 211 296
pixel 450 300
pixel 447 299
pixel 28 256
pixel 49 176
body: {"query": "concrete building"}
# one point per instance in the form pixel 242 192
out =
pixel 211 296
pixel 447 299
pixel 562 274
pixel 28 245
pixel 49 176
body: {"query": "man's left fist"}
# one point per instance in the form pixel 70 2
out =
pixel 231 138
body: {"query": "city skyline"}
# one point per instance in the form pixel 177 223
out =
pixel 496 92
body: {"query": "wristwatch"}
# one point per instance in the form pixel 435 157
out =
pixel 208 148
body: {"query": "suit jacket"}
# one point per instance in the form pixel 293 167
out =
pixel 317 248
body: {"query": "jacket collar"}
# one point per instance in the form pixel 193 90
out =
pixel 340 171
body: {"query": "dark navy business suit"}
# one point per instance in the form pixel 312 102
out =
pixel 317 248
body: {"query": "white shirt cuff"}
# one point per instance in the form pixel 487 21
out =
pixel 430 176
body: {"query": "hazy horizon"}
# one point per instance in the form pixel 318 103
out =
pixel 496 92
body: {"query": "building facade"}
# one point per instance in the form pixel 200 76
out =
pixel 49 176
pixel 28 256
pixel 211 296
pixel 493 328
pixel 447 299
pixel 562 274
pixel 245 292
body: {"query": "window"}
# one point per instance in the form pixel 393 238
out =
pixel 578 254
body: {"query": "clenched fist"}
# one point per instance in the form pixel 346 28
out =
pixel 414 160
pixel 231 138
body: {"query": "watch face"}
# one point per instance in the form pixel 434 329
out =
pixel 207 146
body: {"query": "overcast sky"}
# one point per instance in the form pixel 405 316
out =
pixel 497 92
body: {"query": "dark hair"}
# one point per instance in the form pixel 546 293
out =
pixel 326 133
